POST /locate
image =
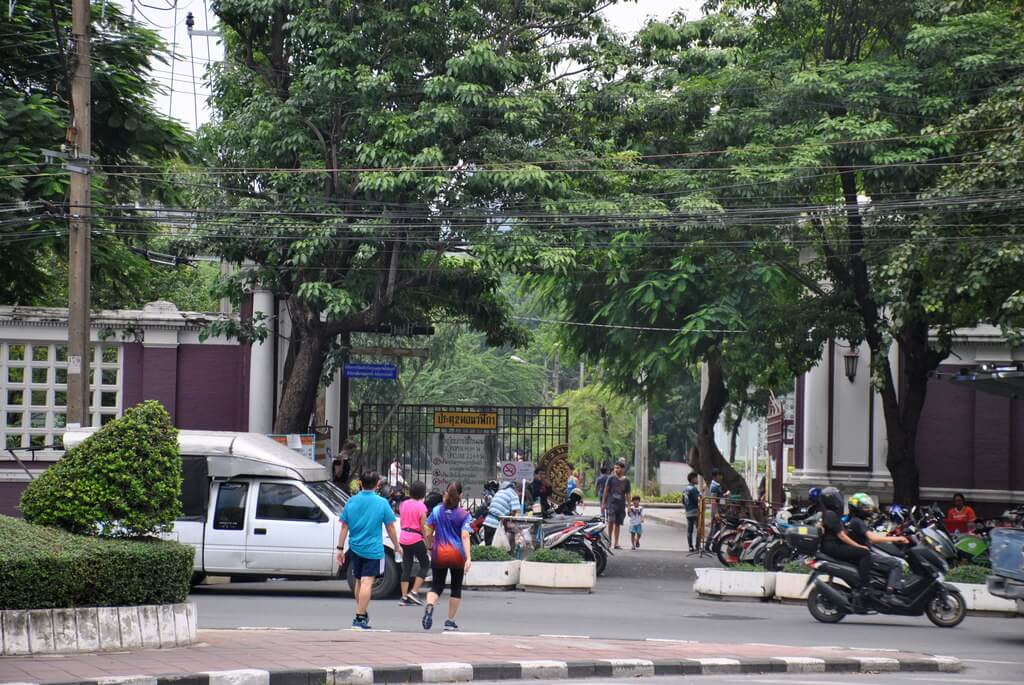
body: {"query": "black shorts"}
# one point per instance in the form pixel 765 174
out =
pixel 417 551
pixel 438 580
pixel 365 568
pixel 617 516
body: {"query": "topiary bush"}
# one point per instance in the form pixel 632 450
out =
pixel 42 567
pixel 485 553
pixel 796 567
pixel 123 481
pixel 555 556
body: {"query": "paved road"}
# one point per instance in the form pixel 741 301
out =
pixel 646 593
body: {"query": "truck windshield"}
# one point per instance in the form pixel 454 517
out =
pixel 330 494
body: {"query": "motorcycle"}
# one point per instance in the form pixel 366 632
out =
pixel 585 538
pixel 924 592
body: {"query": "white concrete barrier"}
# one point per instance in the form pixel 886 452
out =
pixel 493 575
pixel 978 598
pixel 536 575
pixel 720 582
pixel 94 629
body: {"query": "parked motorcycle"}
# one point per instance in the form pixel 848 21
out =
pixel 924 592
pixel 585 538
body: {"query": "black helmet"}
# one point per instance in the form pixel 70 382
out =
pixel 831 499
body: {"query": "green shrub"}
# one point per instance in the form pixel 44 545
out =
pixel 555 556
pixel 969 574
pixel 42 567
pixel 124 480
pixel 746 567
pixel 670 498
pixel 485 553
pixel 796 567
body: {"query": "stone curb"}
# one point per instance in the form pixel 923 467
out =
pixel 91 629
pixel 452 672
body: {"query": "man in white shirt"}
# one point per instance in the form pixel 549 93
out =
pixel 395 473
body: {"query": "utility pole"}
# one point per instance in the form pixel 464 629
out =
pixel 79 258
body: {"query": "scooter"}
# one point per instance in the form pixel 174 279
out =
pixel 925 592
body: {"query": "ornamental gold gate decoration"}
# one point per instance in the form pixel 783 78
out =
pixel 438 443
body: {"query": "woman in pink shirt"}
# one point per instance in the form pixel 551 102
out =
pixel 412 515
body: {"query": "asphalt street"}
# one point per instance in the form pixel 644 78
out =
pixel 644 594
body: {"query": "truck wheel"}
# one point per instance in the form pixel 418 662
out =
pixel 385 586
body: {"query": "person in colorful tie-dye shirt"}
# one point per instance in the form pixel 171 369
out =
pixel 448 532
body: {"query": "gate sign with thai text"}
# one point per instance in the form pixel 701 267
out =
pixel 464 457
pixel 476 420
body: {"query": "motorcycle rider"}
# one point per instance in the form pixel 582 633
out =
pixel 813 506
pixel 862 506
pixel 837 543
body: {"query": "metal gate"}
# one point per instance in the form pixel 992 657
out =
pixel 408 431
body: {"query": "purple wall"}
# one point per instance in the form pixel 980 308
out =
pixel 212 388
pixel 970 439
pixel 203 387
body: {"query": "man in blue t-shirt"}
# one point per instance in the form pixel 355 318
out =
pixel 361 521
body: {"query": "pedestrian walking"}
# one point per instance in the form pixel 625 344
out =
pixel 412 517
pixel 361 521
pixel 691 502
pixel 448 532
pixel 636 522
pixel 616 492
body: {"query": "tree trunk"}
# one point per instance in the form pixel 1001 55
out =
pixel 709 457
pixel 301 382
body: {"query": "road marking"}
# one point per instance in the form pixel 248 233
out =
pixel 262 628
pixel 460 632
pixel 565 637
pixel 670 640
pixel 973 681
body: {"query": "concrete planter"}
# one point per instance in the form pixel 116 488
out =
pixel 540 576
pixel 978 598
pixel 720 582
pixel 96 629
pixel 493 575
pixel 791 586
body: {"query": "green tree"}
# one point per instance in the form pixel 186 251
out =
pixel 35 112
pixel 601 425
pixel 382 126
pixel 852 118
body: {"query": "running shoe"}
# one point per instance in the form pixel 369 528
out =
pixel 361 623
pixel 450 626
pixel 406 602
pixel 428 617
pixel 414 597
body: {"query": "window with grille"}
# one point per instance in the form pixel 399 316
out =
pixel 34 377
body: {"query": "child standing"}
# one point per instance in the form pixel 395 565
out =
pixel 636 521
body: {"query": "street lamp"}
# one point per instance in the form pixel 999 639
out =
pixel 850 359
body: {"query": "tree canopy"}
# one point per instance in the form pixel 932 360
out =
pixel 35 111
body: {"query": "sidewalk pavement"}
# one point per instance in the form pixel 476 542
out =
pixel 674 517
pixel 345 657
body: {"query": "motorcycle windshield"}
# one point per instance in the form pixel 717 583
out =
pixel 1007 552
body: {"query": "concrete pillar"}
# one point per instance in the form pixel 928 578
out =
pixel 815 424
pixel 261 370
pixel 332 410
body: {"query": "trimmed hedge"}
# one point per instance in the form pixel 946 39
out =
pixel 124 480
pixel 555 556
pixel 485 553
pixel 969 574
pixel 46 568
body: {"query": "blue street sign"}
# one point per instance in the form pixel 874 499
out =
pixel 388 372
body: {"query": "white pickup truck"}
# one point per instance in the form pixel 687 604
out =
pixel 254 509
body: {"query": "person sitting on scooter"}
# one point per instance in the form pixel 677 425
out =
pixel 837 543
pixel 861 506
